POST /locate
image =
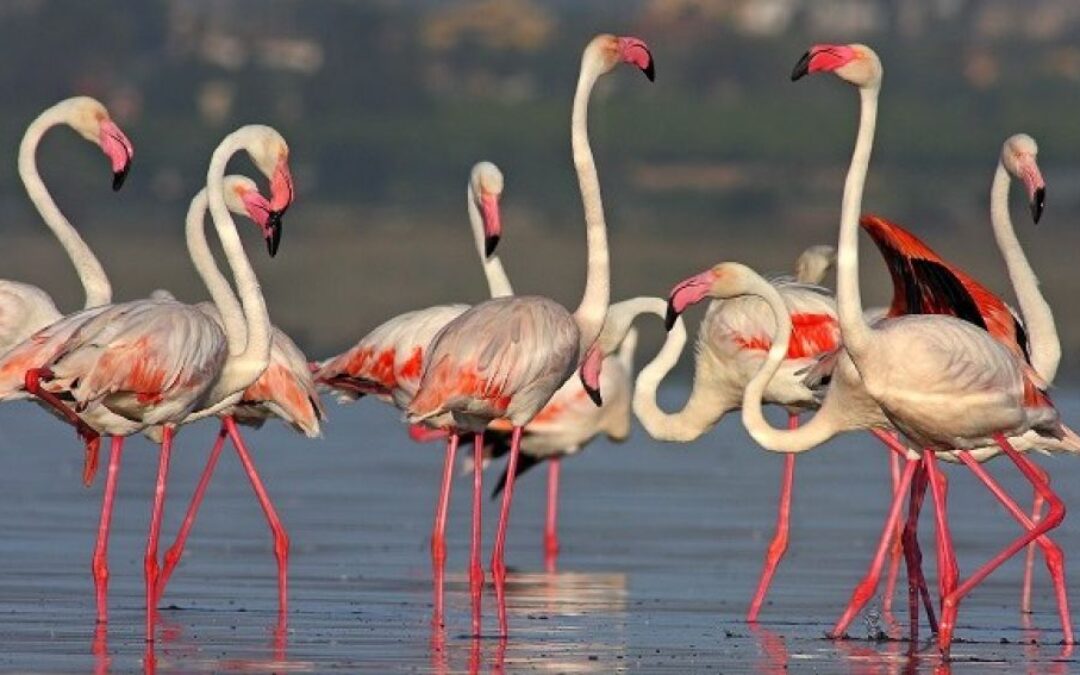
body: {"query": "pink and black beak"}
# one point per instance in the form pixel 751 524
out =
pixel 589 372
pixel 281 197
pixel 1034 185
pixel 636 52
pixel 489 213
pixel 118 149
pixel 689 292
pixel 822 58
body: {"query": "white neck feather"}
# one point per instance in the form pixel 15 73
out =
pixel 91 274
pixel 232 316
pixel 1038 318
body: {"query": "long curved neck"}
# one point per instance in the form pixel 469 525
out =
pixel 703 409
pixel 1038 317
pixel 91 274
pixel 590 314
pixel 243 367
pixel 800 439
pixel 853 327
pixel 498 283
pixel 232 316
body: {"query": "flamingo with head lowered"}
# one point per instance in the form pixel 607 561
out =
pixel 159 362
pixel 506 357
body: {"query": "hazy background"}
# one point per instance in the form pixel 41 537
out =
pixel 386 104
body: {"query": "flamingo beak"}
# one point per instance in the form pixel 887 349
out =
pixel 1038 203
pixel 273 232
pixel 688 292
pixel 589 372
pixel 802 68
pixel 636 52
pixel 118 149
pixel 489 211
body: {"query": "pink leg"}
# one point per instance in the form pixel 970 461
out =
pixel 913 557
pixel 865 590
pixel 438 533
pixel 1055 558
pixel 948 572
pixel 897 547
pixel 950 605
pixel 1029 558
pixel 100 564
pixel 281 539
pixel 551 536
pixel 778 545
pixel 150 562
pixel 498 561
pixel 173 554
pixel 476 572
pixel 32 381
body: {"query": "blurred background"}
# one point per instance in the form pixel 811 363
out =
pixel 387 103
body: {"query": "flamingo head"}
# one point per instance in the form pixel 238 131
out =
pixel 91 120
pixel 725 280
pixel 854 63
pixel 486 182
pixel 270 153
pixel 612 50
pixel 589 372
pixel 814 263
pixel 242 197
pixel 1018 157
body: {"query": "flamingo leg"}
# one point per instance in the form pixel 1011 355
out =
pixel 897 548
pixel 865 590
pixel 498 561
pixel 281 539
pixel 551 536
pixel 438 533
pixel 476 572
pixel 913 556
pixel 778 545
pixel 100 563
pixel 150 561
pixel 1029 557
pixel 1055 558
pixel 92 439
pixel 1034 532
pixel 173 554
pixel 948 572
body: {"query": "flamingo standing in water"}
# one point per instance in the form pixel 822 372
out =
pixel 730 347
pixel 285 390
pixel 25 309
pixel 572 418
pixel 506 357
pixel 159 362
pixel 944 383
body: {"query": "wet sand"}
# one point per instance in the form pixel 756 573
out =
pixel 661 548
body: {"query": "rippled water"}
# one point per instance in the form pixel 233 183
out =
pixel 661 550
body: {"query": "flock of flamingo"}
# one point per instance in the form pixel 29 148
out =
pixel 947 372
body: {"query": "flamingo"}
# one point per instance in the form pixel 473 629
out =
pixel 944 383
pixel 159 362
pixel 506 357
pixel 731 344
pixel 571 419
pixel 25 309
pixel 285 390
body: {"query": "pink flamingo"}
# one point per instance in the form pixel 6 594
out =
pixel 161 363
pixel 506 357
pixel 944 383
pixel 572 419
pixel 731 345
pixel 285 390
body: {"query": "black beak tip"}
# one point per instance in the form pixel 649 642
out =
pixel 490 244
pixel 273 239
pixel 650 70
pixel 594 395
pixel 802 68
pixel 670 317
pixel 1038 203
pixel 119 177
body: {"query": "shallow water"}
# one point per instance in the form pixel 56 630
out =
pixel 661 548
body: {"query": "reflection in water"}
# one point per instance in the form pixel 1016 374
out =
pixel 771 650
pixel 99 647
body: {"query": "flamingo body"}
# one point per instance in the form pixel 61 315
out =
pixel 24 309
